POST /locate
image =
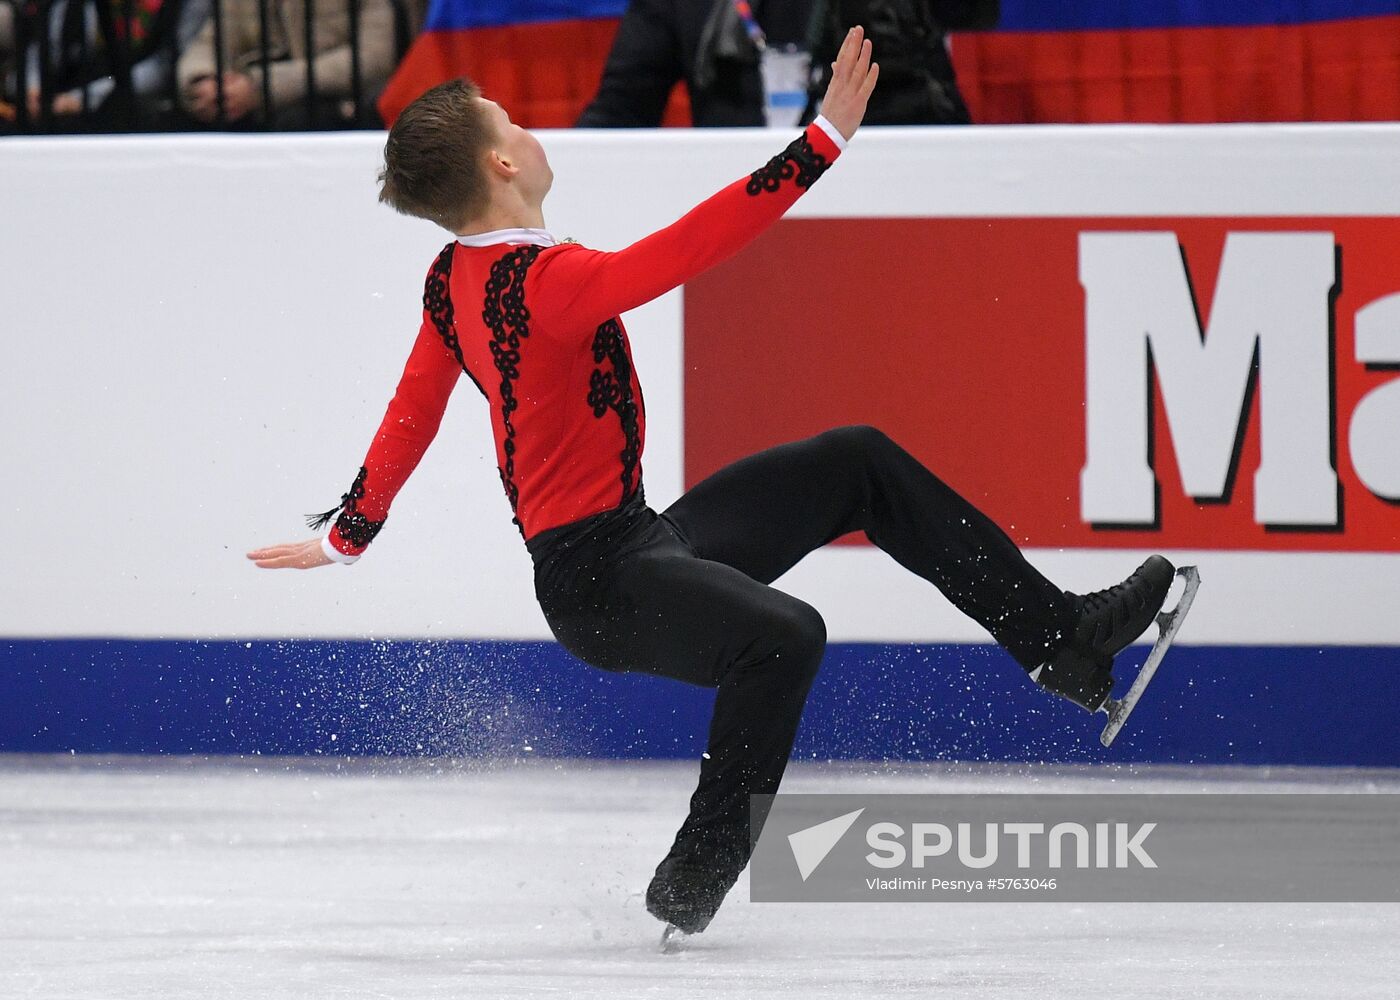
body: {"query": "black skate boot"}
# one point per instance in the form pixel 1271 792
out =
pixel 686 896
pixel 1109 620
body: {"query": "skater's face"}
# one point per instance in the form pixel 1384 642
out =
pixel 517 148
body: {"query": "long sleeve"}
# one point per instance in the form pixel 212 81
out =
pixel 197 59
pixel 643 65
pixel 151 75
pixel 408 427
pixel 572 288
pixel 333 64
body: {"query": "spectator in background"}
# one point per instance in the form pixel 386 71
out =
pixel 91 42
pixel 7 50
pixel 285 63
pixel 731 55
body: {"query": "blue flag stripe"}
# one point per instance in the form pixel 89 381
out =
pixel 1016 15
pixel 458 15
pixel 1083 15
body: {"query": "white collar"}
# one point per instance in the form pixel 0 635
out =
pixel 513 237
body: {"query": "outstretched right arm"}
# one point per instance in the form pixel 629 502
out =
pixel 586 287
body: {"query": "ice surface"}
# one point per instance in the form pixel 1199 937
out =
pixel 132 877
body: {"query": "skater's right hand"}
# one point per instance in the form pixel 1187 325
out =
pixel 853 77
pixel 292 555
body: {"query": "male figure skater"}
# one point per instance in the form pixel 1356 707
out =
pixel 685 593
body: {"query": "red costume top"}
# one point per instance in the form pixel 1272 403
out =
pixel 534 323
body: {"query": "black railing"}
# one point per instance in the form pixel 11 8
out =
pixel 90 40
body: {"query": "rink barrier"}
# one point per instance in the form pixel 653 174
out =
pixel 980 370
pixel 204 414
pixel 1208 705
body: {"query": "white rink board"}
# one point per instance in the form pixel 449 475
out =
pixel 201 334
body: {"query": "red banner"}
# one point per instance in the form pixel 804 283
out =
pixel 967 341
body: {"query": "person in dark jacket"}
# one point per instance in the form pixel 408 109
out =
pixel 716 47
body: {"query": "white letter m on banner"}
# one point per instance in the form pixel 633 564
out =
pixel 1271 314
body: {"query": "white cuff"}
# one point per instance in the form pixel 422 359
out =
pixel 334 554
pixel 831 132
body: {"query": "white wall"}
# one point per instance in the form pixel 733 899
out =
pixel 200 335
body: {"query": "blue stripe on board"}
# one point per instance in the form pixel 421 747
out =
pixel 1084 15
pixel 1016 15
pixel 458 15
pixel 1209 705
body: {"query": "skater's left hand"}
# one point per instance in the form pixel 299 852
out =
pixel 853 78
pixel 292 555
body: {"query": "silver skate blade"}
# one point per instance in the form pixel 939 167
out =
pixel 673 940
pixel 1168 624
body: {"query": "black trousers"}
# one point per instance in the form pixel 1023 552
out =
pixel 685 594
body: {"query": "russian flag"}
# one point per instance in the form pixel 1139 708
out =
pixel 1069 61
pixel 1185 61
pixel 542 59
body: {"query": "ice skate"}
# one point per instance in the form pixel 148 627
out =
pixel 685 898
pixel 673 939
pixel 1168 622
pixel 1109 620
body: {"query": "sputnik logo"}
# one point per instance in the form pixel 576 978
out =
pixel 811 846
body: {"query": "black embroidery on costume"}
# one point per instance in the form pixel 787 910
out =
pixel 357 529
pixel 798 159
pixel 506 316
pixel 354 527
pixel 612 390
pixel 437 303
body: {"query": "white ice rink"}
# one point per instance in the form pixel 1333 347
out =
pixel 277 879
